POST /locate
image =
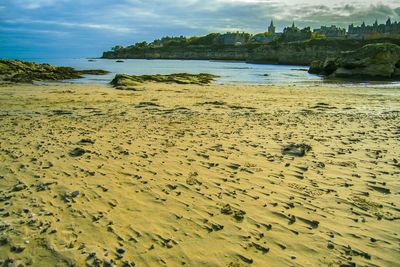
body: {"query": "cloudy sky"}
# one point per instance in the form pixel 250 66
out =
pixel 82 28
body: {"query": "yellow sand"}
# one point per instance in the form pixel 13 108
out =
pixel 194 175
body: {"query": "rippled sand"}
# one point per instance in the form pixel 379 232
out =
pixel 175 175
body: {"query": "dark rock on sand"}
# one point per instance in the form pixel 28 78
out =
pixel 17 248
pixel 19 187
pixel 70 196
pixel 120 250
pixel 77 152
pixel 297 150
pixel 237 214
pixel 3 241
pixel 86 141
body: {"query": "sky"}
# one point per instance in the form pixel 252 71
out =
pixel 84 28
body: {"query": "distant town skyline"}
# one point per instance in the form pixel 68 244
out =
pixel 57 28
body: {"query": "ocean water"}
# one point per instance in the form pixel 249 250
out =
pixel 229 72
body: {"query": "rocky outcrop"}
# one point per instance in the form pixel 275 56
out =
pixel 27 72
pixel 299 53
pixel 372 62
pixel 124 81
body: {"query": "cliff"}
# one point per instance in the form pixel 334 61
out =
pixel 294 53
pixel 188 52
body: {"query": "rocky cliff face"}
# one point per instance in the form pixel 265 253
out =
pixel 372 62
pixel 282 54
pixel 291 54
pixel 208 53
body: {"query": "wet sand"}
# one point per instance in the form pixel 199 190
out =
pixel 174 175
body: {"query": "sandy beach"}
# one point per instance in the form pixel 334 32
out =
pixel 187 175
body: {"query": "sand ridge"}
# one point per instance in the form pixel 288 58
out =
pixel 174 175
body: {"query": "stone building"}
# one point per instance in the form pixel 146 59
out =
pixel 271 28
pixel 331 32
pixel 388 28
pixel 293 33
pixel 268 36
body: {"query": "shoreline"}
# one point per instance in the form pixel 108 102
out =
pixel 272 77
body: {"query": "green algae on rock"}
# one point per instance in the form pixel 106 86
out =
pixel 27 72
pixel 124 81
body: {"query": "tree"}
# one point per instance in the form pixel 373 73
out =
pixel 117 48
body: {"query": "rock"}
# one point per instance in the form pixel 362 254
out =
pixel 19 187
pixel 316 67
pixel 17 248
pixel 123 81
pixel 238 215
pixel 120 250
pixel 69 196
pixel 329 66
pixel 373 62
pixel 74 194
pixel 3 241
pixel 86 141
pixel 246 259
pixel 260 248
pixel 233 166
pixel 92 72
pixel 297 150
pixel 128 264
pixel 77 152
pixel 27 72
pixel 217 227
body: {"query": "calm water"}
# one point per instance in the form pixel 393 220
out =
pixel 229 72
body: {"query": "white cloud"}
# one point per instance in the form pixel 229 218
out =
pixel 108 27
pixel 35 4
pixel 25 30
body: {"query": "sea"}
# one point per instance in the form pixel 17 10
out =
pixel 229 72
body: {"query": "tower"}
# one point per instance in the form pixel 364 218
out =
pixel 271 28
